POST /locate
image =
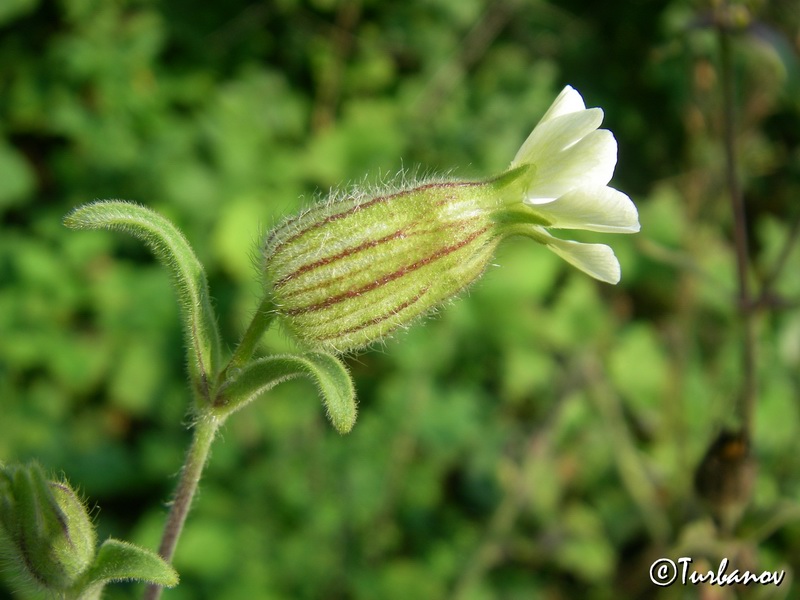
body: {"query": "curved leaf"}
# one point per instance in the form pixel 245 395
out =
pixel 328 373
pixel 173 251
pixel 120 561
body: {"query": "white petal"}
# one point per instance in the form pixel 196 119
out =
pixel 568 101
pixel 557 134
pixel 589 162
pixel 597 260
pixel 594 208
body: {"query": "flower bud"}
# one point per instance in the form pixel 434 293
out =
pixel 351 270
pixel 48 527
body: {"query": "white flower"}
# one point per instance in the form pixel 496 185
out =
pixel 567 187
pixel 351 270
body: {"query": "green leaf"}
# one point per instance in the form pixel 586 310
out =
pixel 325 370
pixel 173 250
pixel 19 180
pixel 121 561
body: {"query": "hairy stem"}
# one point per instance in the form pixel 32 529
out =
pixel 204 432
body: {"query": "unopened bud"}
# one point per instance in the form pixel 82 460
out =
pixel 48 526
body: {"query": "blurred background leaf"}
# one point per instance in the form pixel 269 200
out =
pixel 537 438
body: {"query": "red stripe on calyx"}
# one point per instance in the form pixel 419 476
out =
pixel 388 277
pixel 358 206
pixel 377 320
pixel 334 257
pixel 330 281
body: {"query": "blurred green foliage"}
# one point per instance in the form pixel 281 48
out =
pixel 538 438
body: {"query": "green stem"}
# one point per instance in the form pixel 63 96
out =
pixel 247 345
pixel 747 398
pixel 204 432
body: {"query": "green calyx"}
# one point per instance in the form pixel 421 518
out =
pixel 355 268
pixel 512 217
pixel 352 270
pixel 49 526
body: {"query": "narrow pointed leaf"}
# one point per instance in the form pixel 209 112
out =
pixel 328 373
pixel 173 250
pixel 121 561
